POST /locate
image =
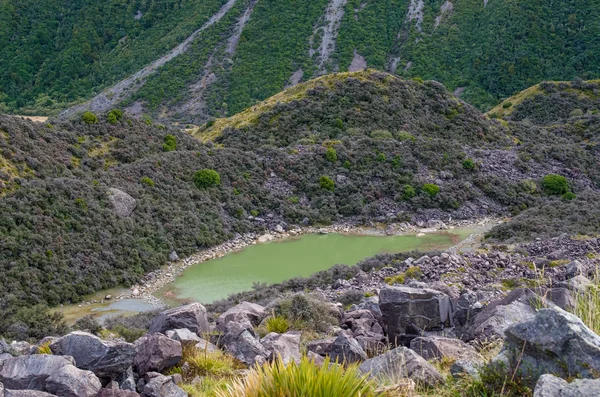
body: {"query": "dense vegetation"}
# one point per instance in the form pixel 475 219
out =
pixel 56 52
pixel 400 151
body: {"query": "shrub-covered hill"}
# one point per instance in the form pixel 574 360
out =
pixel 374 156
pixel 57 52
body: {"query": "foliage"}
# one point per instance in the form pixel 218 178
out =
pixel 306 312
pixel 431 189
pixel 350 297
pixel 35 322
pixel 468 164
pixel 414 272
pixel 278 379
pixel 408 192
pixel 89 118
pixel 396 279
pixel 277 324
pixel 207 178
pixel 147 181
pixel 170 143
pixel 587 304
pixel 88 324
pixel 331 155
pixel 44 348
pixel 327 183
pixel 114 116
pixel 555 184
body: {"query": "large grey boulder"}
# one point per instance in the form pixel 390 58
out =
pixel 554 341
pixel 467 307
pixel 516 307
pixel 158 385
pixel 122 202
pixel 192 317
pixel 107 359
pixel 69 381
pixel 439 348
pixel 346 350
pixel 243 311
pixel 241 341
pixel 54 374
pixel 206 346
pixel 401 363
pixel 156 352
pixel 27 393
pixel 406 310
pixel 285 346
pixel 551 386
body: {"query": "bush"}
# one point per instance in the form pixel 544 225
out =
pixel 327 183
pixel 338 123
pixel 170 143
pixel 395 279
pixel 555 185
pixel 207 178
pixel 306 379
pixel 89 118
pixel 431 190
pixel 506 105
pixel 277 324
pixel 569 196
pixel 331 155
pixel 408 192
pixel 468 164
pixel 114 116
pixel 381 134
pixel 350 297
pixel 147 181
pixel 306 312
pixel 88 324
pixel 414 272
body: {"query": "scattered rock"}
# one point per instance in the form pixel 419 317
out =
pixel 346 350
pixel 551 386
pixel 162 386
pixel 462 368
pixel 206 345
pixel 192 317
pixel 156 352
pixel 241 341
pixel 438 348
pixel 320 346
pixel 183 335
pixel 244 311
pixel 266 238
pixel 123 203
pixel 285 346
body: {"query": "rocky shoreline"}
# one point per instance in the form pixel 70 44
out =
pixel 154 281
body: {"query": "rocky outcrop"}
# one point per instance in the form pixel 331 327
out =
pixel 106 359
pixel 399 363
pixel 554 341
pixel 123 203
pixel 551 386
pixel 53 374
pixel 283 346
pixel 244 311
pixel 408 311
pixel 241 341
pixel 156 352
pixel 192 317
pixel 439 348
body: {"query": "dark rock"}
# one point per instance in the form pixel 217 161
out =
pixel 107 359
pixel 156 352
pixel 346 350
pixel 405 309
pixel 285 346
pixel 467 307
pixel 117 393
pixel 162 386
pixel 244 311
pixel 192 317
pixel 438 348
pixel 554 341
pixel 551 386
pixel 320 346
pixel 399 363
pixel 69 381
pixel 241 341
pixel 462 368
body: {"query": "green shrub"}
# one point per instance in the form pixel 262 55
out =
pixel 381 134
pixel 306 312
pixel 130 334
pixel 88 324
pixel 293 200
pixel 347 164
pixel 569 196
pixel 431 190
pixel 306 379
pixel 506 105
pixel 331 155
pixel 338 123
pixel 468 164
pixel 380 157
pixel 408 192
pixel 254 213
pixel 414 272
pixel 147 181
pixel 395 279
pixel 327 183
pixel 114 116
pixel 405 136
pixel 170 143
pixel 350 297
pixel 89 118
pixel 277 324
pixel 207 178
pixel 555 184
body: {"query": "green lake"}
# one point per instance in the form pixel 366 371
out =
pixel 280 260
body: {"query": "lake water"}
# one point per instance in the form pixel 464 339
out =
pixel 281 260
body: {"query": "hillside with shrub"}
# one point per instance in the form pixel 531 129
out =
pixel 100 201
pixel 58 53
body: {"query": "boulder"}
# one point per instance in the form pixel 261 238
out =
pixel 117 393
pixel 53 374
pixel 123 203
pixel 467 307
pixel 192 317
pixel 554 341
pixel 346 350
pixel 438 348
pixel 551 386
pixel 436 224
pixel 27 393
pixel 240 340
pixel 243 311
pixel 321 347
pixel 462 368
pixel 406 309
pixel 69 381
pixel 400 363
pixel 183 335
pixel 156 352
pixel 162 386
pixel 285 346
pixel 173 257
pixel 107 359
pixel 20 348
pixel 206 345
pixel 490 324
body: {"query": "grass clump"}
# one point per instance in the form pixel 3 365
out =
pixel 414 272
pixel 277 324
pixel 302 380
pixel 395 279
pixel 587 304
pixel 44 348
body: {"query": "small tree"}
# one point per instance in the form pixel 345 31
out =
pixel 331 155
pixel 207 178
pixel 408 192
pixel 327 183
pixel 431 189
pixel 89 118
pixel 555 184
pixel 170 143
pixel 468 164
pixel 115 116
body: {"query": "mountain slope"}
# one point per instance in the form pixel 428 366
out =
pixel 482 50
